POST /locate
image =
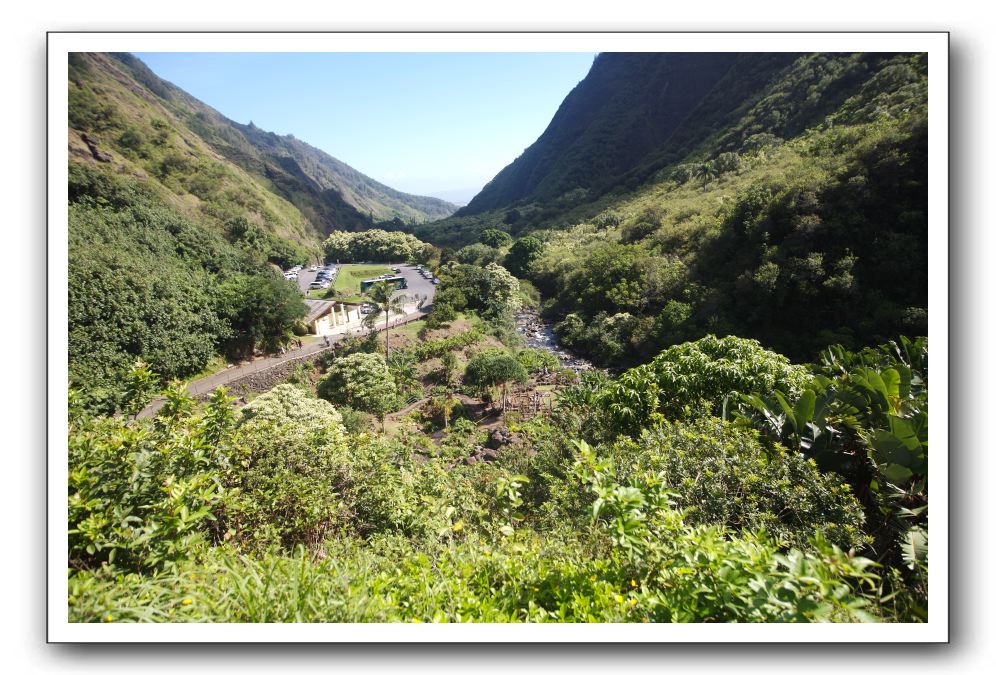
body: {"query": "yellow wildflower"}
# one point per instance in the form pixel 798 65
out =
pixel 108 618
pixel 187 601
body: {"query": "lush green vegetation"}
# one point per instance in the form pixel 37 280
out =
pixel 755 254
pixel 731 467
pixel 492 368
pixel 793 196
pixel 218 167
pixel 147 282
pixel 373 246
pixel 277 512
pixel 491 291
pixel 360 381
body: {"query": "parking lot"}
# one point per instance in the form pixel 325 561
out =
pixel 305 277
pixel 418 285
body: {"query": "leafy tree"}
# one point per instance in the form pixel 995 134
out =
pixel 292 448
pixel 374 244
pixel 695 377
pixel 496 238
pixel 727 162
pixel 362 382
pixel 490 290
pixel 493 367
pixel 260 309
pixel 522 254
pixel 478 254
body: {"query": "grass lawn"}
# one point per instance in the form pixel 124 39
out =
pixel 347 282
pixel 408 330
pixel 350 276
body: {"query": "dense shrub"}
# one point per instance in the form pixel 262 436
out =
pixel 360 381
pixel 522 254
pixel 719 474
pixel 498 238
pixel 144 498
pixel 489 290
pixel 290 470
pixel 493 368
pixel 684 574
pixel 478 254
pixel 697 377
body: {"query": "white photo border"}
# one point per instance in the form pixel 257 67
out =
pixel 934 44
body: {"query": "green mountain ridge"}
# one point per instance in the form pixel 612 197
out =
pixel 134 114
pixel 605 125
pixel 780 191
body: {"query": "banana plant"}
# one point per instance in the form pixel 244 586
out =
pixel 889 416
pixel 805 425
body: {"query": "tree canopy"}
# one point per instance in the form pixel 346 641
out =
pixel 372 245
pixel 361 381
pixel 492 368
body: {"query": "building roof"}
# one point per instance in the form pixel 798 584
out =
pixel 317 309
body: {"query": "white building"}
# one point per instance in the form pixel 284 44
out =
pixel 326 317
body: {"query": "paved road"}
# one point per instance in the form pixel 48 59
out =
pixel 304 279
pixel 417 285
pixel 312 345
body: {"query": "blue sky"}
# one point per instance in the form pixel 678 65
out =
pixel 425 123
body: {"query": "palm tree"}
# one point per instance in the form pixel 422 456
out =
pixel 384 300
pixel 706 171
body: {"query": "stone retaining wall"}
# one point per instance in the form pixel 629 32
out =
pixel 265 380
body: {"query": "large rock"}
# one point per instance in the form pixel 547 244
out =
pixel 97 153
pixel 499 437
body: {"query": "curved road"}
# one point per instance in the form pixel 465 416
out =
pixel 417 285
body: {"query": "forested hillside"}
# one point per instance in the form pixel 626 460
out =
pixel 126 107
pixel 791 192
pixel 176 217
